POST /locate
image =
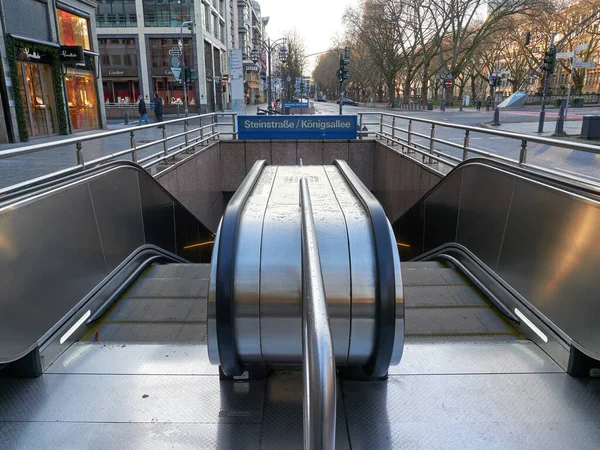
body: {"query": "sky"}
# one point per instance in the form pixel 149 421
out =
pixel 317 21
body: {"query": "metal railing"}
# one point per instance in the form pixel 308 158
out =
pixel 393 133
pixel 318 364
pixel 196 131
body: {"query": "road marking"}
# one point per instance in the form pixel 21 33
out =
pixel 496 138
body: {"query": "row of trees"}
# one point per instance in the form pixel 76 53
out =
pixel 404 47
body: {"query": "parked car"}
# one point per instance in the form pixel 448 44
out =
pixel 347 101
pixel 320 100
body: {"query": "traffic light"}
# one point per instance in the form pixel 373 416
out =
pixel 224 86
pixel 344 72
pixel 550 60
pixel 527 38
pixel 218 86
pixel 187 75
pixel 493 80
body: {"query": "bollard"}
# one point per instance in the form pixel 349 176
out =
pixel 560 123
pixel 496 120
pixel 126 118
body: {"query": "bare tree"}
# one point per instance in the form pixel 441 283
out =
pixel 296 60
pixel 375 23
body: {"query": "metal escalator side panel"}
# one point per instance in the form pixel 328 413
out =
pixel 60 243
pixel 281 265
pixel 534 234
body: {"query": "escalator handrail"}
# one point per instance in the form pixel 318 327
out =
pixel 385 288
pixel 224 282
pixel 318 362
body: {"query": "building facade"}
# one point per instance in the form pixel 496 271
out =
pixel 51 82
pixel 139 46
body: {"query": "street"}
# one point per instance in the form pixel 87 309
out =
pixel 18 169
pixel 523 121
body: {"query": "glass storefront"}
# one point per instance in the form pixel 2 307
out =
pixel 37 92
pixel 161 13
pixel 73 30
pixel 81 97
pixel 163 81
pixel 120 76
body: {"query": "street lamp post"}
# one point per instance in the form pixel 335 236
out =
pixel 190 25
pixel 269 47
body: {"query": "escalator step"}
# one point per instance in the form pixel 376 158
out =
pixel 431 276
pixel 151 332
pixel 455 321
pixel 442 296
pixel 185 271
pixel 168 288
pixel 159 310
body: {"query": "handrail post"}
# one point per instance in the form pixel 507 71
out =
pixel 409 135
pixel 466 146
pixel 213 126
pixel 164 136
pixel 79 154
pixel 523 153
pixel 431 142
pixel 133 146
pixel 185 131
pixel 233 131
pixel 393 129
pixel 360 125
pixel 201 131
pixel 381 124
pixel 318 363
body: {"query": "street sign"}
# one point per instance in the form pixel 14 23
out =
pixel 564 55
pixel 581 47
pixel 586 65
pixel 175 51
pixel 225 77
pixel 449 76
pixel 438 76
pixel 176 72
pixel 175 62
pixel 448 83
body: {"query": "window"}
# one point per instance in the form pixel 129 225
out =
pixel 163 13
pixel 159 52
pixel 73 30
pixel 215 26
pixel 118 52
pixel 207 17
pixel 116 13
pixel 222 32
pixel 222 7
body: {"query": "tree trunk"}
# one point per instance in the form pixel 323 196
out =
pixel 391 84
pixel 473 88
pixel 425 87
pixel 406 89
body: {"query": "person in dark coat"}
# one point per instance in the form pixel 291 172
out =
pixel 142 111
pixel 158 107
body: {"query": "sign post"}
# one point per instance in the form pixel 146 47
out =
pixel 575 63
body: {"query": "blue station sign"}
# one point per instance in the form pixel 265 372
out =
pixel 297 127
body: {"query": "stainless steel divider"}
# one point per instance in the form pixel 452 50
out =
pixel 318 365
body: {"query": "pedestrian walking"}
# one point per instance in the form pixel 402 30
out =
pixel 158 107
pixel 488 102
pixel 143 112
pixel 478 103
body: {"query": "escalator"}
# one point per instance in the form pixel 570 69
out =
pixel 136 373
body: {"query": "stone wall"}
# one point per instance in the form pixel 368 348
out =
pixel 237 157
pixel 399 181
